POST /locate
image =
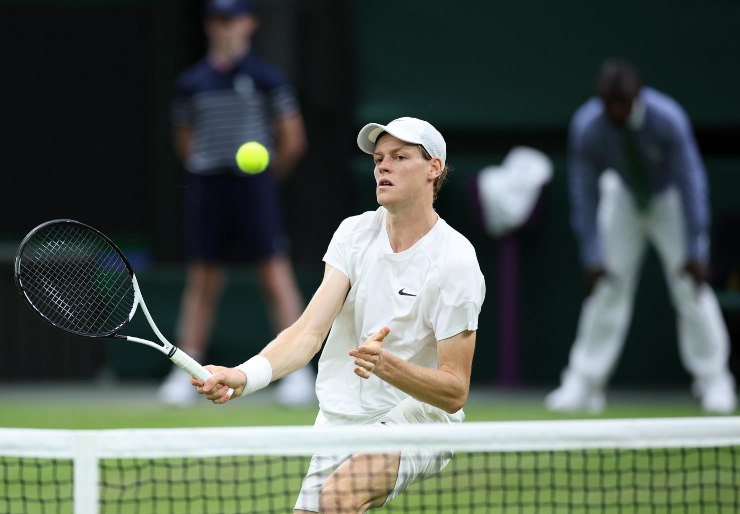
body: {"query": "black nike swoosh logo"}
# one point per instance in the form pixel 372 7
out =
pixel 404 293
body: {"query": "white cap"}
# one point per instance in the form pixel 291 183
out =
pixel 410 130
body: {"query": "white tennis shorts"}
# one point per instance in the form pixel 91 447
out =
pixel 413 467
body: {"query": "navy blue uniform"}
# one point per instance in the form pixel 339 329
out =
pixel 229 214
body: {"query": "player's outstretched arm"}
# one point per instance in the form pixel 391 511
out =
pixel 295 346
pixel 292 349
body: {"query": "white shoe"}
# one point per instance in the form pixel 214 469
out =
pixel 297 389
pixel 718 395
pixel 176 389
pixel 574 395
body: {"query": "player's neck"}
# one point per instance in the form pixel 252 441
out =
pixel 406 228
pixel 224 58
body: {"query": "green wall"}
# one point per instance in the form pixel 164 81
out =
pixel 524 64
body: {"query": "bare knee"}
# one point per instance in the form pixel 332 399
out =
pixel 205 281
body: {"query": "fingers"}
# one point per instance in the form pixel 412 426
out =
pixel 375 341
pixel 380 334
pixel 370 354
pixel 218 387
pixel 364 368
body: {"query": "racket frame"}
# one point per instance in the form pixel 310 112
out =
pixel 180 358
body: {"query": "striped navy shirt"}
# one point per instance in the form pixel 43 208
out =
pixel 666 143
pixel 228 108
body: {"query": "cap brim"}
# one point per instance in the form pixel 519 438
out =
pixel 368 136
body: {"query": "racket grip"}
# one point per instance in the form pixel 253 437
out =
pixel 192 366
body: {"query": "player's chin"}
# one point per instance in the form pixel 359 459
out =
pixel 384 196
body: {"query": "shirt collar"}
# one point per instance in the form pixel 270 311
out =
pixel 637 115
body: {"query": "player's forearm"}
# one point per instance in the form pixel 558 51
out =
pixel 285 160
pixel 291 144
pixel 288 352
pixel 439 387
pixel 183 141
pixel 291 350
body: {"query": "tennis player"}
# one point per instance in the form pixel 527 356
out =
pixel 400 299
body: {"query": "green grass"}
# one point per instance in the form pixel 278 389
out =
pixel 108 407
pixel 79 415
pixel 509 483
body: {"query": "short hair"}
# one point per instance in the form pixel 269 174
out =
pixel 442 176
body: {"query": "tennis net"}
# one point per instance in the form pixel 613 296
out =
pixel 666 465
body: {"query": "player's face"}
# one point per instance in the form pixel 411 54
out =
pixel 229 33
pixel 618 103
pixel 402 174
pixel 618 109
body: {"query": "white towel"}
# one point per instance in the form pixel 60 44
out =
pixel 508 192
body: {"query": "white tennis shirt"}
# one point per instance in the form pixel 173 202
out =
pixel 430 292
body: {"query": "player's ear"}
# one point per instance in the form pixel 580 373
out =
pixel 252 23
pixel 435 168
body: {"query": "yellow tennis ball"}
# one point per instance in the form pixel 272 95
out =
pixel 252 158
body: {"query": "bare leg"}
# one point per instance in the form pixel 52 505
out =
pixel 198 306
pixel 203 289
pixel 279 284
pixel 362 482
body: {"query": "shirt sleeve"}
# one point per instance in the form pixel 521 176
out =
pixel 337 253
pixel 583 176
pixel 284 101
pixel 686 163
pixel 281 94
pixel 460 292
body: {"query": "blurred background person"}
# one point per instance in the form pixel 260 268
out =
pixel 229 97
pixel 636 177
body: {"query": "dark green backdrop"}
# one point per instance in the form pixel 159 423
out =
pixel 91 79
pixel 479 65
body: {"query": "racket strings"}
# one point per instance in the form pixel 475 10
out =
pixel 77 280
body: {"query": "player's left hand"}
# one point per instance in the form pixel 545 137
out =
pixel 698 271
pixel 370 353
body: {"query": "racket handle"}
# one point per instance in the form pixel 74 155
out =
pixel 192 366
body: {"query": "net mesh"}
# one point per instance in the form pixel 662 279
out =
pixel 76 279
pixel 605 466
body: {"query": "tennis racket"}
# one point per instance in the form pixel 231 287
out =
pixel 79 281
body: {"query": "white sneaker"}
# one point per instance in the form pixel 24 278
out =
pixel 718 395
pixel 297 389
pixel 176 389
pixel 574 395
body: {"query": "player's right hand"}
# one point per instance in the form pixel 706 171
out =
pixel 217 386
